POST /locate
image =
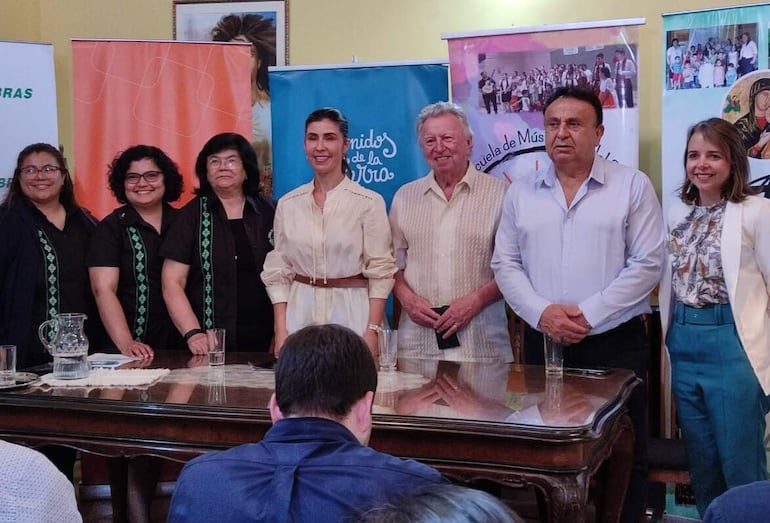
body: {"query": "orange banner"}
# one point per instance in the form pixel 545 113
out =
pixel 174 95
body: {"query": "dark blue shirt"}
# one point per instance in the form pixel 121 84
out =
pixel 744 504
pixel 305 469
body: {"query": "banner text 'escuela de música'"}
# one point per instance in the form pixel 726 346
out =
pixel 719 68
pixel 27 102
pixel 174 95
pixel 381 103
pixel 503 78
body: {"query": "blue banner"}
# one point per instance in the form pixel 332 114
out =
pixel 381 103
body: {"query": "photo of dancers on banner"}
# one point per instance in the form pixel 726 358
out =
pixel 516 82
pixel 504 80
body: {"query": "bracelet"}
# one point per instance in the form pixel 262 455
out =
pixel 374 327
pixel 192 332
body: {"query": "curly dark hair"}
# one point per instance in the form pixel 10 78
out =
pixel 222 142
pixel 118 169
pixel 15 194
pixel 256 29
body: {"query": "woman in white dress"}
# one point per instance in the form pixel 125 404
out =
pixel 333 258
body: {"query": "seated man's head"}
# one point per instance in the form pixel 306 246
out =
pixel 326 371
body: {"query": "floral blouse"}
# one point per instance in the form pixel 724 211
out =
pixel 698 279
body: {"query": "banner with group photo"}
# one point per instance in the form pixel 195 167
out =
pixel 715 64
pixel 173 95
pixel 381 103
pixel 503 78
pixel 27 102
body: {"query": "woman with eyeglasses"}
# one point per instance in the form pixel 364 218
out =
pixel 124 262
pixel 124 265
pixel 44 236
pixel 215 249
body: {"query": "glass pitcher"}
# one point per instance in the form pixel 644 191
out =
pixel 68 345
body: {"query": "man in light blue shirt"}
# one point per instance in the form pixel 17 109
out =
pixel 577 253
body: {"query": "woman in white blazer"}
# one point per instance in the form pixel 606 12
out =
pixel 714 310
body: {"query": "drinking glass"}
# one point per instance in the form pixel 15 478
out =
pixel 216 339
pixel 7 364
pixel 554 356
pixel 388 345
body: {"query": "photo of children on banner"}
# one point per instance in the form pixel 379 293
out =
pixel 508 80
pixel 711 56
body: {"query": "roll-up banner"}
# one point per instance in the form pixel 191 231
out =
pixel 173 95
pixel 503 77
pixel 715 64
pixel 381 102
pixel 27 102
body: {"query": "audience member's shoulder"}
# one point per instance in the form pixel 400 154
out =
pixel 12 454
pixel 217 459
pixel 743 504
pixel 33 489
pixel 405 467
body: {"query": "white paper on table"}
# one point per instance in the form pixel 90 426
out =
pixel 101 360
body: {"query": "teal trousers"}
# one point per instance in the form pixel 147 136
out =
pixel 720 404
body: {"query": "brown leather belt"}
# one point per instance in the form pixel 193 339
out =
pixel 357 281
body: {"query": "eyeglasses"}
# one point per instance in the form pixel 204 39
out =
pixel 215 162
pixel 149 177
pixel 31 170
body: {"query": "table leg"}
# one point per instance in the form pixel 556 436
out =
pixel 568 498
pixel 118 470
pixel 618 472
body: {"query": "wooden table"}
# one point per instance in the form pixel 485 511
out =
pixel 505 423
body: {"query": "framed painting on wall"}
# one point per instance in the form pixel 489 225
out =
pixel 262 23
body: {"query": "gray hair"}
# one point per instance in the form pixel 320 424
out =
pixel 443 504
pixel 440 108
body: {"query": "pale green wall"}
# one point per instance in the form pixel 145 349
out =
pixel 373 30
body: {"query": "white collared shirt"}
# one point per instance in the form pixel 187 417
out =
pixel 603 253
pixel 444 248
